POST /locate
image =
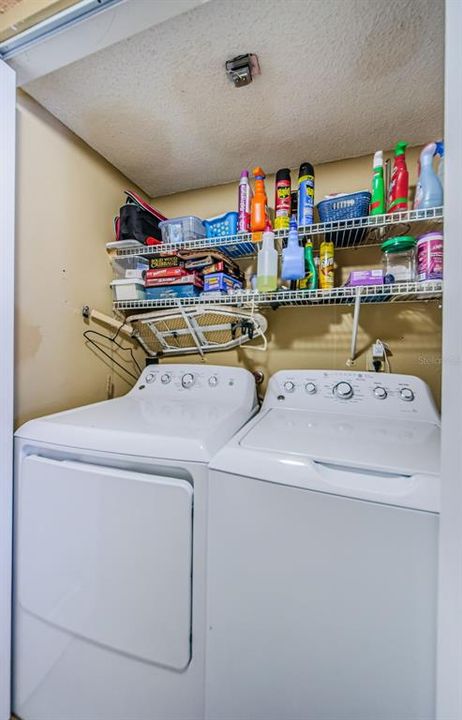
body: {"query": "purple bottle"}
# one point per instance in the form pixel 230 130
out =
pixel 244 198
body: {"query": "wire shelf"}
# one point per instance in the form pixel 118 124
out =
pixel 398 292
pixel 358 232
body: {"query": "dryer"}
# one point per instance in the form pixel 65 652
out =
pixel 110 514
pixel 322 553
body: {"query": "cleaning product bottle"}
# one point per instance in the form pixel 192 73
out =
pixel 429 191
pixel 310 281
pixel 258 205
pixel 378 187
pixel 326 265
pixel 267 263
pixel 305 194
pixel 244 199
pixel 282 199
pixel 440 152
pixel 399 185
pixel 293 261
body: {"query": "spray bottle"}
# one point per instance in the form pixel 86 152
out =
pixel 310 281
pixel 244 200
pixel 326 265
pixel 378 187
pixel 440 152
pixel 293 262
pixel 282 199
pixel 399 186
pixel 305 194
pixel 429 191
pixel 267 263
pixel 258 205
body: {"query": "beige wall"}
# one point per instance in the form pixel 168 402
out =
pixel 67 196
pixel 320 337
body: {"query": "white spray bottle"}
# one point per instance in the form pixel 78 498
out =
pixel 267 263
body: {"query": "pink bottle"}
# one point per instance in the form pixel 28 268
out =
pixel 245 196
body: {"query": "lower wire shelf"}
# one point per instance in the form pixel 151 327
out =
pixel 398 292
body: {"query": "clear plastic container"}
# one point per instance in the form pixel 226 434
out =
pixel 182 229
pixel 398 258
pixel 131 289
pixel 131 266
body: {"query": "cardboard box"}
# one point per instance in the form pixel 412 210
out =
pixel 220 282
pixel 193 278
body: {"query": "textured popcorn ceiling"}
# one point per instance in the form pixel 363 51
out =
pixel 340 78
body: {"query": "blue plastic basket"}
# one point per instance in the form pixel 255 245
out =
pixel 345 207
pixel 221 225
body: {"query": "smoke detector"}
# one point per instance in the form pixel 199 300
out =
pixel 242 69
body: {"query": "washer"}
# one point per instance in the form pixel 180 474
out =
pixel 322 553
pixel 110 545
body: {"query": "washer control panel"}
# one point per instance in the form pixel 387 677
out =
pixel 198 381
pixel 368 393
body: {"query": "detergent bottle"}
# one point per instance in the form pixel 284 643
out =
pixel 310 281
pixel 258 205
pixel 399 185
pixel 293 261
pixel 267 263
pixel 378 187
pixel 429 191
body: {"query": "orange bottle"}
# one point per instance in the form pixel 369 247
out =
pixel 258 205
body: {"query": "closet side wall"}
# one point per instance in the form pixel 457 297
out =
pixel 67 196
pixel 320 337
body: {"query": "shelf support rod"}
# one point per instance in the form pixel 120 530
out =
pixel 354 331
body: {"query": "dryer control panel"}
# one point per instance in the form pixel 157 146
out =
pixel 202 382
pixel 368 393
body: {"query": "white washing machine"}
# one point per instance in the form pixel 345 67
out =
pixel 109 599
pixel 322 553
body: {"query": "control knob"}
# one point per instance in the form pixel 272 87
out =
pixel 380 393
pixel 343 390
pixel 150 377
pixel 165 378
pixel 310 388
pixel 213 381
pixel 289 386
pixel 187 380
pixel 407 394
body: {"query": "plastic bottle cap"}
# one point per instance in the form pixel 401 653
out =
pixel 283 174
pixel 306 169
pixel 398 244
pixel 258 173
pixel 293 223
pixel 245 174
pixel 400 148
pixel 378 159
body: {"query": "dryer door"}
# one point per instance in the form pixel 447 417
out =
pixel 106 554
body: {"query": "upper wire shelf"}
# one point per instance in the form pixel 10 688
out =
pixel 397 292
pixel 358 232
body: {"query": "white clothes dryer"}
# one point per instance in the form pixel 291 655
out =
pixel 110 515
pixel 322 553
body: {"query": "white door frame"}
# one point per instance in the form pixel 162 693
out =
pixel 7 207
pixel 449 693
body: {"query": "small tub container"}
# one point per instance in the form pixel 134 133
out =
pixel 129 266
pixel 398 259
pixel 182 229
pixel 429 256
pixel 131 289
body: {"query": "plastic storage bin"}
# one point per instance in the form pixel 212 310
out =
pixel 182 229
pixel 131 266
pixel 131 289
pixel 221 225
pixel 398 258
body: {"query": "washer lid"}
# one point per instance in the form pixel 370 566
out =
pixel 390 445
pixel 174 428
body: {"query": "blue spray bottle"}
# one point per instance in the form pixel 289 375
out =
pixel 429 191
pixel 293 257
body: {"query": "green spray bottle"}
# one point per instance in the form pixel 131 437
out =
pixel 378 185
